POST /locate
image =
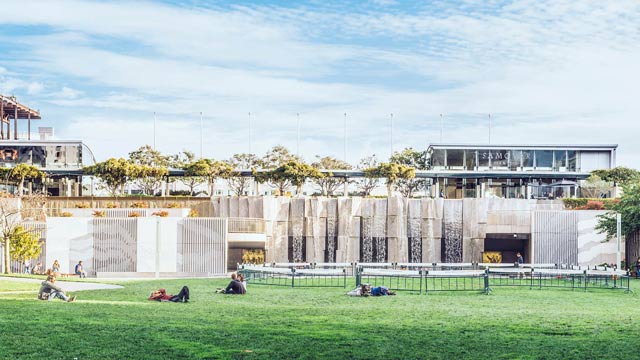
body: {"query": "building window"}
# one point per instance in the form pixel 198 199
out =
pixel 437 158
pixel 572 160
pixel 470 159
pixel 455 158
pixel 483 158
pixel 515 159
pixel 499 159
pixel 544 158
pixel 560 160
pixel 527 158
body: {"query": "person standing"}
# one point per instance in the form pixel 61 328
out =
pixel 638 268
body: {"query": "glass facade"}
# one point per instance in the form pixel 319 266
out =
pixel 49 156
pixel 544 159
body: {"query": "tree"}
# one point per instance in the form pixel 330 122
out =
pixel 417 160
pixel 24 245
pixel 236 181
pixel 153 166
pixel 114 173
pixel 367 184
pixel 391 172
pixel 329 184
pixel 629 209
pixel 9 220
pixel 291 173
pixel 211 170
pixel 594 187
pixel 181 161
pixel 21 172
pixel 277 156
pixel 619 175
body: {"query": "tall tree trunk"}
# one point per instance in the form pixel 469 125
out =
pixel 20 187
pixel 7 260
pixel 212 188
pixel 388 189
pixel 298 189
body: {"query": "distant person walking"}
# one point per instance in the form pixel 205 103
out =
pixel 519 258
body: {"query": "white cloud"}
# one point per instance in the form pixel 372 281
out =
pixel 549 71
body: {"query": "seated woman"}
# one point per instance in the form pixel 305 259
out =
pixel 161 295
pixel 235 286
pixel 55 268
pixel 49 291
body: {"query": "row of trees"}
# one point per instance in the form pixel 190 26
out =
pixel 148 168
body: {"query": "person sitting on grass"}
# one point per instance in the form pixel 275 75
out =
pixel 37 270
pixel 49 291
pixel 362 290
pixel 161 295
pixel 234 287
pixel 243 283
pixel 79 270
pixel 55 268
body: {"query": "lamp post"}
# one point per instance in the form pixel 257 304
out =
pixel 154 130
pixel 391 134
pixel 250 147
pixel 489 129
pixel 298 135
pixel 344 150
pixel 201 135
pixel 441 126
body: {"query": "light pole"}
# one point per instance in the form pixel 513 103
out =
pixel 201 135
pixel 489 129
pixel 298 135
pixel 250 147
pixel 618 239
pixel 441 126
pixel 391 117
pixel 344 149
pixel 154 130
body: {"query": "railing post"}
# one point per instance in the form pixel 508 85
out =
pixel 426 282
pixel 532 275
pixel 293 276
pixel 487 289
pixel 344 277
pixel 420 274
pixel 586 280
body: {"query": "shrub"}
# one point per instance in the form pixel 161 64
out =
pixel 111 205
pixel 173 205
pixel 592 205
pixel 82 206
pixel 140 205
pixel 99 214
pixel 193 213
pixel 161 213
pixel 583 204
pixel 66 214
pixel 134 214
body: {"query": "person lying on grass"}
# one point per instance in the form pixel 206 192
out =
pixel 235 287
pixel 49 291
pixel 381 291
pixel 161 295
pixel 362 290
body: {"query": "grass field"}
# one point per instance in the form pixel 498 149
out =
pixel 280 322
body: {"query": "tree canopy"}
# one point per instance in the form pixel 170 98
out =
pixel 629 209
pixel 415 159
pixel 152 166
pixel 392 173
pixel 329 184
pixel 21 172
pixel 211 170
pixel 620 175
pixel 290 173
pixel 114 173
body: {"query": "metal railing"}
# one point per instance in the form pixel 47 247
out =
pixel 246 225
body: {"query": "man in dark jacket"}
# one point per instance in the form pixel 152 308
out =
pixel 49 291
pixel 235 286
pixel 161 295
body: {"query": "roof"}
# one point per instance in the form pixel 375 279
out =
pixel 524 146
pixel 24 112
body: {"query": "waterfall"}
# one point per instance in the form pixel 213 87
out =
pixel 452 231
pixel 297 237
pixel 380 238
pixel 414 234
pixel 366 246
pixel 331 239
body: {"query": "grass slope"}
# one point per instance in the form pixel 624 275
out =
pixel 274 323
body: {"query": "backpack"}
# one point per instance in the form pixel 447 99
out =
pixel 43 296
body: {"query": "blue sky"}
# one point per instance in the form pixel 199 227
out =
pixel 548 72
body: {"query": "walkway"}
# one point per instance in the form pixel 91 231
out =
pixel 68 285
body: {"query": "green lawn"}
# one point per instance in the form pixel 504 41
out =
pixel 280 322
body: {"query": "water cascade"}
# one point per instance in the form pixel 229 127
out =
pixel 452 232
pixel 414 234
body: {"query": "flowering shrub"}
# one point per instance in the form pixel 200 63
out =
pixel 66 214
pixel 173 205
pixel 140 205
pixel 161 213
pixel 99 214
pixel 592 205
pixel 82 206
pixel 193 213
pixel 134 214
pixel 111 205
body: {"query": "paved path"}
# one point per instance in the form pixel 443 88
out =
pixel 68 285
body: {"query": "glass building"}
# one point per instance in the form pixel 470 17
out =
pixel 514 171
